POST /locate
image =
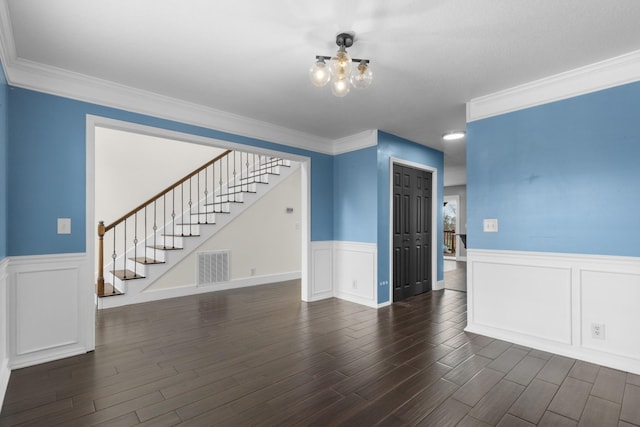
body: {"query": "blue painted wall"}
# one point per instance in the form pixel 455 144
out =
pixel 560 177
pixel 355 196
pixel 393 146
pixel 46 174
pixel 4 153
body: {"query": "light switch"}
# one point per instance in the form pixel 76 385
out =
pixel 491 225
pixel 64 225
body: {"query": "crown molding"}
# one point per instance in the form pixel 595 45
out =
pixel 367 138
pixel 55 81
pixel 29 75
pixel 612 72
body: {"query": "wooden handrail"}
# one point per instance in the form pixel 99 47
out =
pixel 163 192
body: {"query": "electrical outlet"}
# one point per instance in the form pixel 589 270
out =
pixel 597 331
pixel 64 225
pixel 253 271
pixel 354 285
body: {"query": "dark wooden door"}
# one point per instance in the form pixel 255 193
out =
pixel 411 232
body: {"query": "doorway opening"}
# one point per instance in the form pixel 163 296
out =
pixel 302 228
pixel 451 227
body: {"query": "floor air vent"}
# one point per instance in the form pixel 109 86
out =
pixel 213 267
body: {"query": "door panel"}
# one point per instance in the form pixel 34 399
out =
pixel 411 232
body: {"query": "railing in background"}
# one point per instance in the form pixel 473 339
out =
pixel 155 225
pixel 450 242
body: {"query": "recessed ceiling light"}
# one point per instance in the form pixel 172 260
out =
pixel 453 135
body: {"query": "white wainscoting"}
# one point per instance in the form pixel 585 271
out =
pixel 346 270
pixel 549 301
pixel 321 270
pixel 4 309
pixel 355 272
pixel 51 308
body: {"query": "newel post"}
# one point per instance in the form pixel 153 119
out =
pixel 100 289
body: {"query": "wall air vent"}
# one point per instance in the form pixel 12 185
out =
pixel 213 267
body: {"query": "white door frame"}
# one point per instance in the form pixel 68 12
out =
pixel 434 220
pixel 91 226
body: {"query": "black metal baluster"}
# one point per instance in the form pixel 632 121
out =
pixel 145 234
pixel 198 198
pixel 135 244
pixel 124 255
pixel 173 219
pixel 190 206
pixel 113 265
pixel 234 176
pixel 253 174
pixel 155 229
pixel 164 211
pixel 206 193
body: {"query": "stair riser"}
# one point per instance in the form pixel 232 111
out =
pixel 171 241
pixel 193 229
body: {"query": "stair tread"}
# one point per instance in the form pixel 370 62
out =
pixel 196 223
pixel 146 260
pixel 109 291
pixel 127 275
pixel 216 203
pixel 164 248
pixel 182 235
pixel 237 192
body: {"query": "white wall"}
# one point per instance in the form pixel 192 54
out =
pixel 131 168
pixel 455 175
pixel 550 301
pixel 265 238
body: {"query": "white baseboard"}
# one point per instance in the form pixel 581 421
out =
pixel 5 372
pixel 549 301
pixel 438 286
pixel 183 291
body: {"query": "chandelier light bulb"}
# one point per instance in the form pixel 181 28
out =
pixel 362 76
pixel 340 64
pixel 319 73
pixel 340 86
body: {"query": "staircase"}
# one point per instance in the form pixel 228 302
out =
pixel 152 238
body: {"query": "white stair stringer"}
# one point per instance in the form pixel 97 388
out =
pixel 133 290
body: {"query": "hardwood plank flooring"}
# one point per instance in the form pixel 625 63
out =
pixel 259 356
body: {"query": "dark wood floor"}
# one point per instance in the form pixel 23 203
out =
pixel 455 275
pixel 259 356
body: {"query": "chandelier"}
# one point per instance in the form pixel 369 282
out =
pixel 341 71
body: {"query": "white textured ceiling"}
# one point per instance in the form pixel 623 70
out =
pixel 251 57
